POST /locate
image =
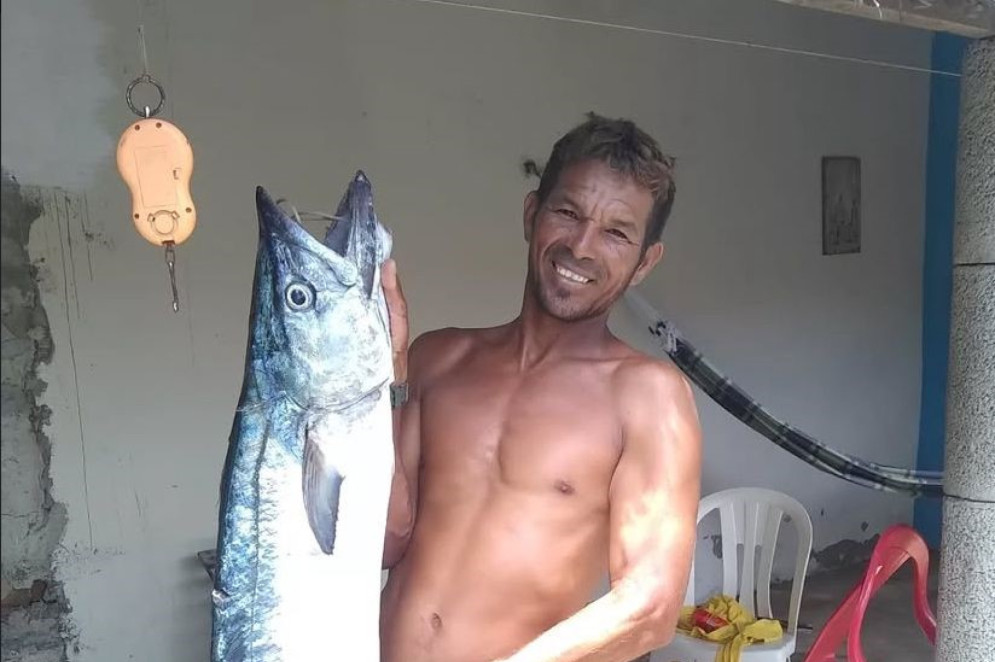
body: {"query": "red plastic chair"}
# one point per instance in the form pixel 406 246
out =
pixel 897 545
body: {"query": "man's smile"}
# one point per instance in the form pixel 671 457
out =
pixel 571 275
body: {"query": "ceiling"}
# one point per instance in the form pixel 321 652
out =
pixel 969 18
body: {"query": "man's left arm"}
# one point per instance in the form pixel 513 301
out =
pixel 653 510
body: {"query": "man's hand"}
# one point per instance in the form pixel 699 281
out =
pixel 397 308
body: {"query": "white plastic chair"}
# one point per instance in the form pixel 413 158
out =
pixel 749 516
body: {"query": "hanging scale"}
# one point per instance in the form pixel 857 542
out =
pixel 156 162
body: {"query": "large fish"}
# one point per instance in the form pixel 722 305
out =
pixel 307 477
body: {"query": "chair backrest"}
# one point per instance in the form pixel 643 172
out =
pixel 898 544
pixel 751 516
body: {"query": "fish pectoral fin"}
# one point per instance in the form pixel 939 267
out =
pixel 322 483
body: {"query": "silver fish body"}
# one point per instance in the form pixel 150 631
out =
pixel 307 477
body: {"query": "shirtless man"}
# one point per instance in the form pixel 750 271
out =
pixel 535 456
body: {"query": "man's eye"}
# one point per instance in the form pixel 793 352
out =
pixel 569 213
pixel 619 234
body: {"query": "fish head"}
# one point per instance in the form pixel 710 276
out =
pixel 320 327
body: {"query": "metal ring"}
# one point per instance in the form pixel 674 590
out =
pixel 145 78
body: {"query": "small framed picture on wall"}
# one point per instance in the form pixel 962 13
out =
pixel 840 205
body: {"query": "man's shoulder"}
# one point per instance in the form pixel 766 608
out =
pixel 651 386
pixel 434 352
pixel 638 371
pixel 447 340
pixel 437 339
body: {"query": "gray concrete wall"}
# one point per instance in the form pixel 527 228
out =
pixel 33 523
pixel 440 105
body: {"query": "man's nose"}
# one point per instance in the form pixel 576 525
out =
pixel 582 240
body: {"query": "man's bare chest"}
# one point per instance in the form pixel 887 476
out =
pixel 555 433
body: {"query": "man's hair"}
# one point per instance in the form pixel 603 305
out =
pixel 626 149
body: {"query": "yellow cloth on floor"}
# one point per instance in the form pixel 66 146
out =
pixel 743 628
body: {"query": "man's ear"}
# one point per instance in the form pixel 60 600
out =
pixel 652 255
pixel 529 213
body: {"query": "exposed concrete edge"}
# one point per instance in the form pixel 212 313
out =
pixel 33 596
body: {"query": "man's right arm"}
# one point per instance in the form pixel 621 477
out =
pixel 406 426
pixel 407 449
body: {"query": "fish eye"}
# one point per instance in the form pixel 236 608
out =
pixel 300 296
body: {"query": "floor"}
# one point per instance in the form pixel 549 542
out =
pixel 890 630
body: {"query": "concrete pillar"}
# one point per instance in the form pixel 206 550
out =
pixel 967 553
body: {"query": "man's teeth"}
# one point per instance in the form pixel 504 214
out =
pixel 569 275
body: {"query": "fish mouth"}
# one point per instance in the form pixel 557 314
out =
pixel 356 203
pixel 354 235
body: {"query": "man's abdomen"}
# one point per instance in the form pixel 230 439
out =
pixel 483 576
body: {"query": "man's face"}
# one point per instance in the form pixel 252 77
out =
pixel 586 239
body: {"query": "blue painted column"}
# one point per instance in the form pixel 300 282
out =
pixel 941 167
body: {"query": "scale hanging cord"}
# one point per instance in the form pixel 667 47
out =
pixel 146 111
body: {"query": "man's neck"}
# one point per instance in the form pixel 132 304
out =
pixel 537 337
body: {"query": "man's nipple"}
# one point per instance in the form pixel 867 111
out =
pixel 563 487
pixel 436 621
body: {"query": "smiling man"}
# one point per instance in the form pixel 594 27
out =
pixel 534 457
